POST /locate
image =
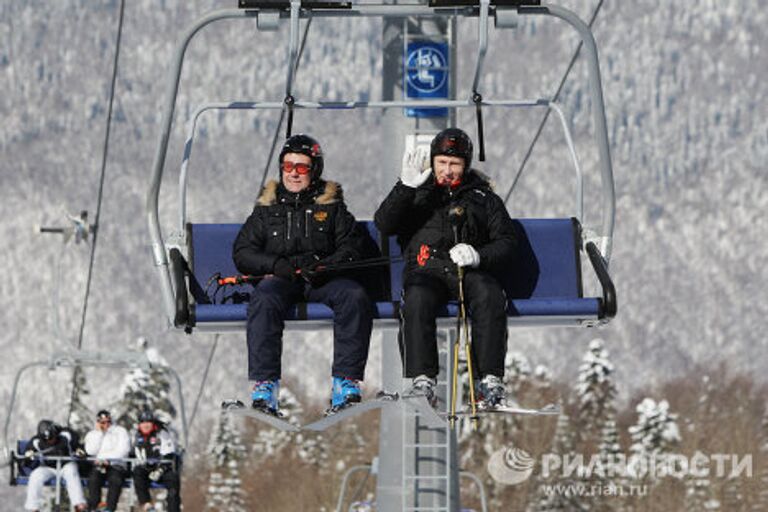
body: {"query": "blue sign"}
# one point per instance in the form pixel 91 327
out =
pixel 426 76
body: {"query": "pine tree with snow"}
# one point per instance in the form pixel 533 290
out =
pixel 146 389
pixel 733 494
pixel 80 415
pixel 595 390
pixel 610 453
pixel 547 498
pixel 761 501
pixel 654 434
pixel 698 495
pixel 225 453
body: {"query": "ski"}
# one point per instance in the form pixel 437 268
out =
pixel 238 408
pixel 547 410
pixel 334 417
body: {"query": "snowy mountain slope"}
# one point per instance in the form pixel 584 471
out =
pixel 686 111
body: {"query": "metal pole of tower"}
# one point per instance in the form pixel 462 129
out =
pixel 418 465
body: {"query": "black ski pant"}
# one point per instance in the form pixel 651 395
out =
pixel 169 478
pixel 270 303
pixel 424 296
pixel 114 476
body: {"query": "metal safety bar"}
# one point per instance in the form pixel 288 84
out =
pixel 372 10
pixel 62 460
pixel 350 105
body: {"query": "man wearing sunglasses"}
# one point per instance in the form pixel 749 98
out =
pixel 445 216
pixel 299 225
pixel 110 445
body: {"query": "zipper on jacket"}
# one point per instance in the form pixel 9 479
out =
pixel 289 219
pixel 307 213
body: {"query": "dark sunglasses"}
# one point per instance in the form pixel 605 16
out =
pixel 300 168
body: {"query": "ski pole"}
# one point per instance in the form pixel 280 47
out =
pixel 467 348
pixel 456 218
pixel 331 267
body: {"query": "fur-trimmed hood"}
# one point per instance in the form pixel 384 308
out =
pixel 320 192
pixel 484 178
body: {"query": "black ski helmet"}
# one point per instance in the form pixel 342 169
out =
pixel 305 145
pixel 146 415
pixel 451 142
pixel 47 430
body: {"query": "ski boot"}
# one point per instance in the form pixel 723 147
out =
pixel 491 394
pixel 424 386
pixel 264 395
pixel 345 392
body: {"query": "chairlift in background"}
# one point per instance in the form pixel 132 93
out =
pixel 13 455
pixel 79 230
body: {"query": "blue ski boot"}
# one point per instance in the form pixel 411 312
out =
pixel 345 393
pixel 264 396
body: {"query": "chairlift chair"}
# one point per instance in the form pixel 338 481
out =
pixel 552 248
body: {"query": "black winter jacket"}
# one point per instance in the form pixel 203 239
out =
pixel 63 445
pixel 308 227
pixel 419 217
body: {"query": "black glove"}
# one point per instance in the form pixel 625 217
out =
pixel 284 269
pixel 315 274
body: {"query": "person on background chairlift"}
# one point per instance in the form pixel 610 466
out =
pixel 53 441
pixel 155 453
pixel 446 215
pixel 110 445
pixel 298 225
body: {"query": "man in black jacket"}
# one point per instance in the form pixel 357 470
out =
pixel 446 215
pixel 53 440
pixel 155 453
pixel 297 226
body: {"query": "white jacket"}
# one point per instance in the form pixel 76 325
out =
pixel 115 443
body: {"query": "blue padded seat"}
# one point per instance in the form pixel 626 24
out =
pixel 543 281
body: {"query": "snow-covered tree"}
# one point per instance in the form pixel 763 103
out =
pixel 225 453
pixel 655 432
pixel 546 498
pixel 698 495
pixel 595 390
pixel 761 502
pixel 146 389
pixel 610 452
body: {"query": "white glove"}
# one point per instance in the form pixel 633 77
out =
pixel 416 167
pixel 141 457
pixel 29 454
pixel 464 255
pixel 156 474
